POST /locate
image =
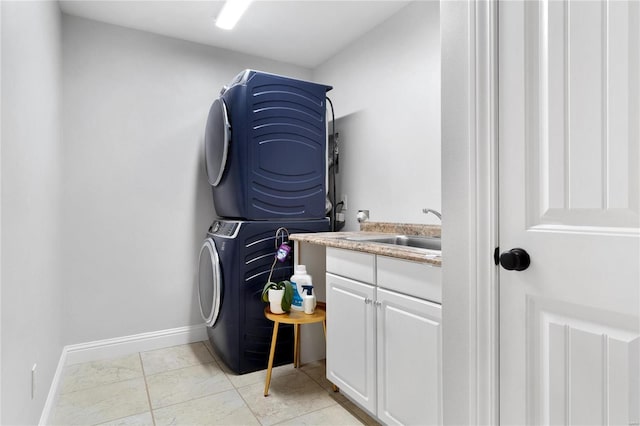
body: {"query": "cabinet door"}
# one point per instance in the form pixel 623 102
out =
pixel 351 339
pixel 408 359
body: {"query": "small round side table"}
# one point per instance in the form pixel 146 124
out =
pixel 296 318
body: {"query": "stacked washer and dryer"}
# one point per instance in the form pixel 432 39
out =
pixel 265 157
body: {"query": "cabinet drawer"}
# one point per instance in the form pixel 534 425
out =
pixel 352 264
pixel 421 280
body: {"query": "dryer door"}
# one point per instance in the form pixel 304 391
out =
pixel 216 141
pixel 209 282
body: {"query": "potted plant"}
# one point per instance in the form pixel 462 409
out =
pixel 279 295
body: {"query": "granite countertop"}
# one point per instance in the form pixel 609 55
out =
pixel 374 229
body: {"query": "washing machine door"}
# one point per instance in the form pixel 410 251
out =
pixel 216 141
pixel 209 282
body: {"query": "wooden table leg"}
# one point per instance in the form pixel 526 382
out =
pixel 298 348
pixel 295 345
pixel 274 338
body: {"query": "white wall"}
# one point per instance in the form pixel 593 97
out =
pixel 136 203
pixel 31 288
pixel 387 98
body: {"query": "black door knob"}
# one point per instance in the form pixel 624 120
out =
pixel 516 259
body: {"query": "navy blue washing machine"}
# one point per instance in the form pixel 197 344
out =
pixel 265 148
pixel 234 266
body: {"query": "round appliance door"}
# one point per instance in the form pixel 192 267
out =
pixel 216 141
pixel 209 282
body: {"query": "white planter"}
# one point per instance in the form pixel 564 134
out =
pixel 275 301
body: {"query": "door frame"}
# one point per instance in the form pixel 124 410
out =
pixel 470 322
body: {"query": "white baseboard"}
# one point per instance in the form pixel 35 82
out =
pixel 120 346
pixel 109 348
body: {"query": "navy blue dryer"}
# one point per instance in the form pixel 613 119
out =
pixel 265 148
pixel 234 265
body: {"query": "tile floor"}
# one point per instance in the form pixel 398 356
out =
pixel 187 385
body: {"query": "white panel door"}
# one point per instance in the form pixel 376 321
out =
pixel 569 124
pixel 351 339
pixel 409 361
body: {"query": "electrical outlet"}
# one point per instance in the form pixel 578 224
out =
pixel 343 198
pixel 33 380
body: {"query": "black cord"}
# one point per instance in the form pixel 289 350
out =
pixel 333 169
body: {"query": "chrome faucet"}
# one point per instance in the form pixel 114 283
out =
pixel 435 212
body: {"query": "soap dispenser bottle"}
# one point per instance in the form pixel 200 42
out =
pixel 308 299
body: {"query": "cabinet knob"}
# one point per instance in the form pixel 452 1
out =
pixel 367 300
pixel 377 303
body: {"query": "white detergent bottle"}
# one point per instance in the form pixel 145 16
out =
pixel 298 279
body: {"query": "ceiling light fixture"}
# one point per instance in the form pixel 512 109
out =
pixel 231 13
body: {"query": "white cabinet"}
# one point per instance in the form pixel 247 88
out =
pixel 384 346
pixel 408 359
pixel 351 339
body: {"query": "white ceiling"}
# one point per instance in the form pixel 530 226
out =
pixel 301 32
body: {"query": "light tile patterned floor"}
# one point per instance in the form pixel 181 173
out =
pixel 187 385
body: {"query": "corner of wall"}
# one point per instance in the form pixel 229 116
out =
pixel 111 348
pixel 29 320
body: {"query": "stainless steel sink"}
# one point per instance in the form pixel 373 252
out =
pixel 429 243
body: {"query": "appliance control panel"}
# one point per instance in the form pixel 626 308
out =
pixel 224 228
